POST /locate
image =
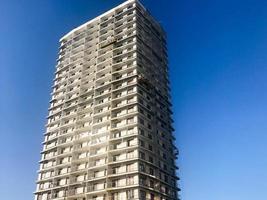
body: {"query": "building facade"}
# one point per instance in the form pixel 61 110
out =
pixel 109 131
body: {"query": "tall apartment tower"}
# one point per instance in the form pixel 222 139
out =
pixel 109 131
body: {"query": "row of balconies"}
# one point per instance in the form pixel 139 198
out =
pixel 105 51
pixel 80 191
pixel 118 94
pixel 97 154
pixel 105 82
pixel 83 183
pixel 124 25
pixel 152 183
pixel 124 43
pixel 83 189
pixel 127 8
pixel 115 54
pixel 109 23
pixel 124 14
pixel 64 140
pixel 107 79
pixel 131 194
pixel 124 54
pixel 115 171
pixel 157 186
pixel 125 30
pixel 77 49
pixel 120 45
pixel 106 33
pixel 120 23
pixel 67 64
pixel 64 82
pixel 68 86
pixel 116 104
pixel 124 112
pixel 119 105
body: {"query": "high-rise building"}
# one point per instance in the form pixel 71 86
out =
pixel 109 131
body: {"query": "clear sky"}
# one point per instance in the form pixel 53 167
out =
pixel 218 69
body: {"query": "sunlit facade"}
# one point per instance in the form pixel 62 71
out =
pixel 109 131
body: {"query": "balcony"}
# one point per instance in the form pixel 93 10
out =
pixel 108 42
pixel 96 188
pixel 126 157
pixel 123 183
pixel 123 134
pixel 83 136
pixel 97 174
pixel 98 163
pixel 123 170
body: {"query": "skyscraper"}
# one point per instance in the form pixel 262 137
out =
pixel 109 131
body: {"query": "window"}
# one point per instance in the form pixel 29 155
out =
pixel 114 183
pixel 141 132
pixel 142 143
pixel 130 120
pixel 130 180
pixel 166 178
pixel 151 183
pixel 142 167
pixel 151 159
pixel 165 167
pixel 115 196
pixel 141 111
pixel 142 155
pixel 94 197
pixel 130 194
pixel 142 195
pixel 151 171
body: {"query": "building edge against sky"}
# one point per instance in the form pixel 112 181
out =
pixel 109 134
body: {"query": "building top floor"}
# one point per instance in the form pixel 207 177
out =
pixel 103 17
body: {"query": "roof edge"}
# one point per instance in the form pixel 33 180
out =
pixel 96 18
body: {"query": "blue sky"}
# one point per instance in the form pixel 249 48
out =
pixel 218 70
